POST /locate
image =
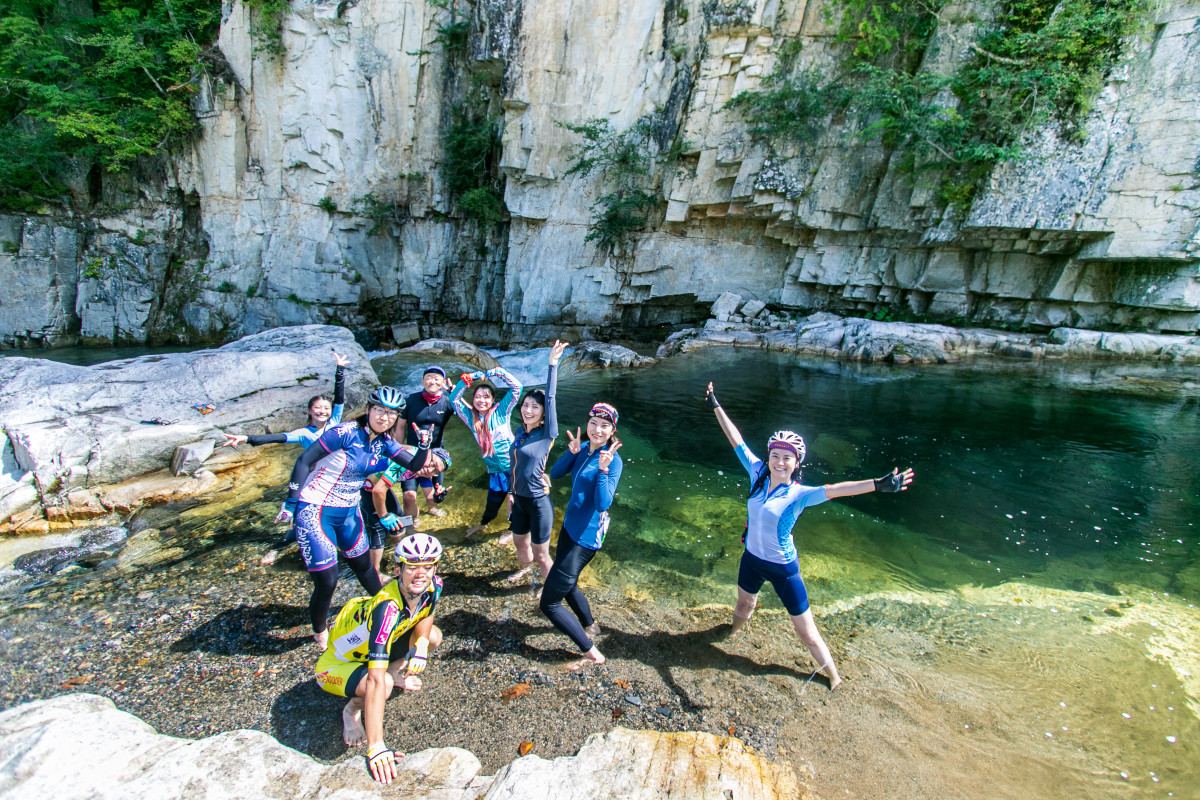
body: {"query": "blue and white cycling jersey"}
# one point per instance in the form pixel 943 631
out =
pixel 770 516
pixel 337 479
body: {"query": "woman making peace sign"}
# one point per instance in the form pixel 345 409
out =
pixel 595 470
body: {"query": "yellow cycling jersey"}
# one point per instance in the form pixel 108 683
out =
pixel 367 627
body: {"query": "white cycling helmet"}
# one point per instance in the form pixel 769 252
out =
pixel 420 548
pixel 788 440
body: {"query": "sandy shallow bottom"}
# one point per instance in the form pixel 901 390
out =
pixel 1012 691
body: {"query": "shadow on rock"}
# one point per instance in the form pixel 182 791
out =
pixel 245 630
pixel 492 584
pixel 308 719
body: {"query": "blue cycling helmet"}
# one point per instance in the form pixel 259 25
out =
pixel 388 397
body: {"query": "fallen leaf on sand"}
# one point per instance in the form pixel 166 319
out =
pixel 514 691
pixel 143 662
pixel 732 730
pixel 78 680
pixel 524 747
pixel 622 684
pixel 617 714
pixel 261 669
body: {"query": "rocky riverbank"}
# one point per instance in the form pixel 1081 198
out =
pixel 195 637
pixel 741 323
pixel 86 443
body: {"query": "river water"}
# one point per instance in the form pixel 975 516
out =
pixel 1055 518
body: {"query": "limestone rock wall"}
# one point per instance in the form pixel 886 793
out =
pixel 239 234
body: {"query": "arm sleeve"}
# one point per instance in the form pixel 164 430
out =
pixel 504 407
pixel 747 458
pixel 304 465
pixel 606 485
pixel 267 438
pixel 563 466
pixel 383 622
pixel 551 406
pixel 339 387
pixel 411 461
pixel 459 403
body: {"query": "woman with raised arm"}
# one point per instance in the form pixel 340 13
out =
pixel 323 412
pixel 595 470
pixel 776 501
pixel 324 496
pixel 532 513
pixel 488 421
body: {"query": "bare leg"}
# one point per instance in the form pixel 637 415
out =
pixel 806 629
pixel 353 732
pixel 541 556
pixel 431 506
pixel 507 536
pixel 743 611
pixel 410 506
pixel 524 556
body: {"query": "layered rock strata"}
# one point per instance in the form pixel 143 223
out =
pixel 254 226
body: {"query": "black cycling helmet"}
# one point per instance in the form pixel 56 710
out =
pixel 388 397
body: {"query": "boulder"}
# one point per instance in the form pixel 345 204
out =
pixel 406 332
pixel 189 457
pixel 726 305
pixel 458 350
pixel 80 745
pixel 602 355
pixel 74 427
pixel 753 308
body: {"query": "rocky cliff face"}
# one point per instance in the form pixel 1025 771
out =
pixel 254 227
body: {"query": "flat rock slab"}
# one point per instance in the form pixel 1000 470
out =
pixel 459 350
pixel 81 745
pixel 74 427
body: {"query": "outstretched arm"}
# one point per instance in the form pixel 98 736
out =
pixel 504 407
pixel 894 481
pixel 727 426
pixel 462 409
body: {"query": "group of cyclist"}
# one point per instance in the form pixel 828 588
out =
pixel 341 500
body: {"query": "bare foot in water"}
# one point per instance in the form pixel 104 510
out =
pixel 436 512
pixel 505 538
pixel 353 733
pixel 474 529
pixel 593 631
pixel 835 682
pixel 322 638
pixel 519 574
pixel 593 656
pixel 269 557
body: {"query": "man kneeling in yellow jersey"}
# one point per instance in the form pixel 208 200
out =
pixel 366 655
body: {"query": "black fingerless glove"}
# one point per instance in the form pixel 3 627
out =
pixel 711 397
pixel 889 483
pixel 439 495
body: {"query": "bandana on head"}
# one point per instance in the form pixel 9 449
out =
pixel 785 446
pixel 604 411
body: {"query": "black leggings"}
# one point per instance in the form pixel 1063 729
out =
pixel 325 582
pixel 562 583
pixel 495 499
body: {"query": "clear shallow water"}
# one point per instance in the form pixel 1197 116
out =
pixel 1023 473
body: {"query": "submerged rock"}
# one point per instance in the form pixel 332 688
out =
pixel 459 350
pixel 80 745
pixel 602 355
pixel 93 546
pixel 72 428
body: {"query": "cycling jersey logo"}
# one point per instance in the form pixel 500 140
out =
pixel 324 678
pixel 389 621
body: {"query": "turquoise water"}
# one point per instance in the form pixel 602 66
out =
pixel 1024 474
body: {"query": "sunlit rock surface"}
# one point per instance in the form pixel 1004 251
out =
pixel 74 433
pixel 80 745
